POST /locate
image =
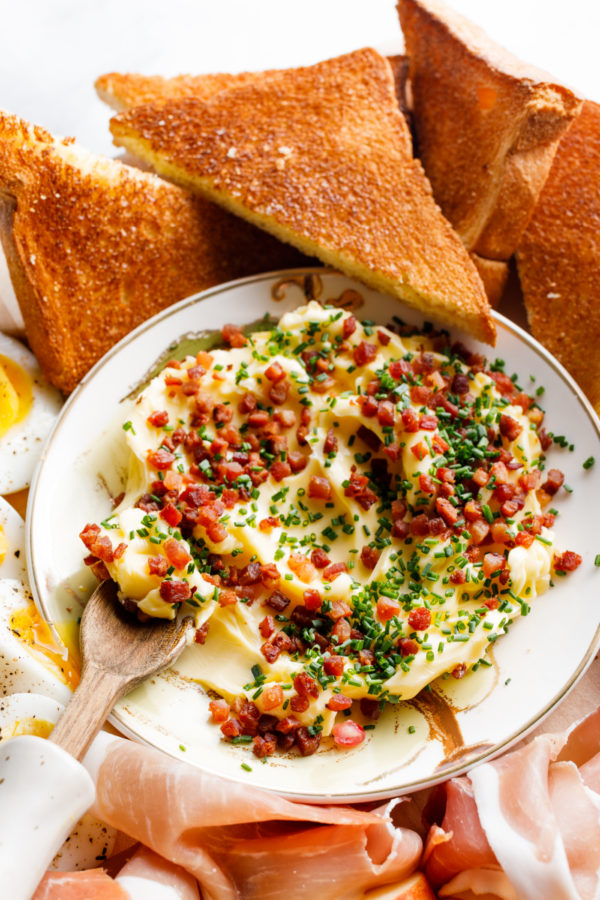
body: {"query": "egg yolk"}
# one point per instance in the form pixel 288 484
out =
pixel 28 625
pixel 16 394
pixel 3 545
pixel 28 725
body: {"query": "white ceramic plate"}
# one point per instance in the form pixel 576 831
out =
pixel 534 667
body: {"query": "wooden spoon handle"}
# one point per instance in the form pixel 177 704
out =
pixel 92 702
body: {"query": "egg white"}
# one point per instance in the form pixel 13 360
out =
pixel 20 671
pixel 91 841
pixel 21 446
pixel 12 527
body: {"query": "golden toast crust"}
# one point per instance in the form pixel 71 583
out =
pixel 487 125
pixel 493 274
pixel 125 90
pixel 321 157
pixel 95 247
pixel 558 258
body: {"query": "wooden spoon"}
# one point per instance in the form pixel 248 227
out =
pixel 118 652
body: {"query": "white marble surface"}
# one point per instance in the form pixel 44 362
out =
pixel 52 50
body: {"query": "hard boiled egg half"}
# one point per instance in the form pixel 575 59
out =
pixel 28 409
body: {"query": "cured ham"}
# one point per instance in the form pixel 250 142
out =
pixel 525 826
pixel 79 886
pixel 239 841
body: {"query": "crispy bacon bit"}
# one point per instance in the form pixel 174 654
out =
pixel 277 601
pixel 302 567
pixel 339 609
pixel 201 633
pixel 320 488
pixel 267 626
pixel 280 469
pixel 419 618
pixel 447 511
pixel 369 407
pixel 269 575
pixel 338 702
pixel 419 451
pixel 567 562
pixel 331 442
pixel 312 599
pixel 459 671
pixel 233 335
pixel 499 472
pixel 299 703
pixel 307 744
pixel 348 327
pixel 272 697
pixel 297 461
pixel 364 353
pixel 333 665
pixel 341 630
pixel 426 483
pixel 161 459
pixel 410 420
pixel 385 412
pixel 176 553
pixel 524 539
pixel 408 647
pixel 400 529
pixel 270 651
pixel 227 598
pixel 479 530
pixel 509 427
pixel 285 417
pixel 428 423
pixel 275 372
pixel 219 710
pixel 383 338
pixel 231 728
pixel 493 564
pixel 555 480
pixel 305 685
pixel 258 419
pixel 348 733
pixel 278 392
pixel 369 557
pixel 335 569
pixel 158 565
pixel 319 558
pixel 175 591
pixel 264 745
pixel 268 523
pixel 158 418
pixel 287 725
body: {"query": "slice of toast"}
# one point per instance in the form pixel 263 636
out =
pixel 123 91
pixel 493 274
pixel 487 125
pixel 95 247
pixel 321 157
pixel 558 259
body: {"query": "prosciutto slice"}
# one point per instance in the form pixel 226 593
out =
pixel 241 842
pixel 526 825
pixel 79 886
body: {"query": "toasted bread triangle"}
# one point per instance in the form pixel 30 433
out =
pixel 321 157
pixel 123 91
pixel 487 125
pixel 558 258
pixel 94 247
